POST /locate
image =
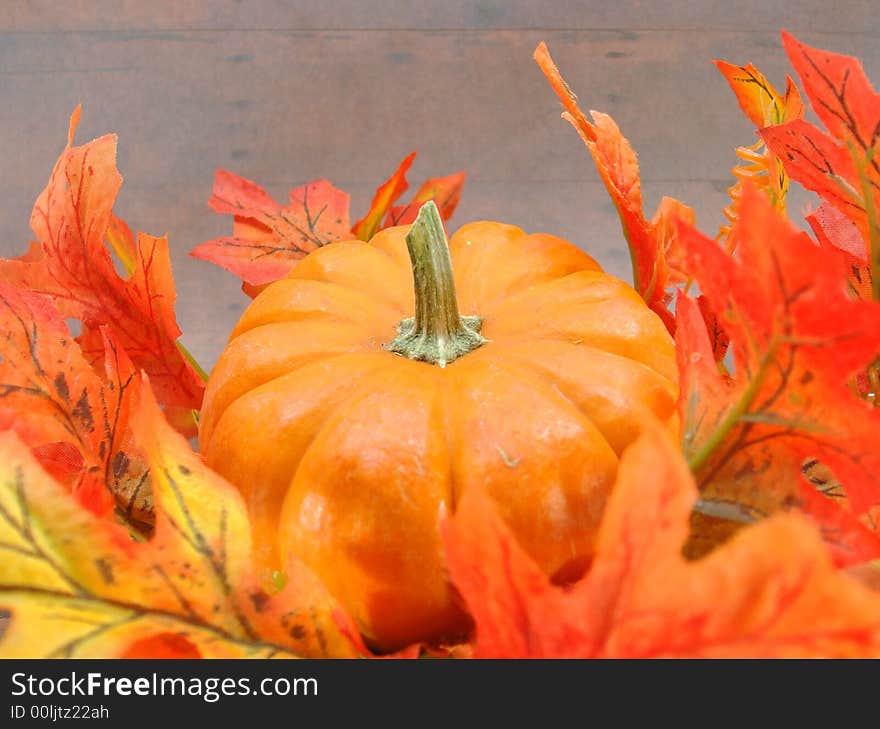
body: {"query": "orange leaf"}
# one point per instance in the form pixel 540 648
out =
pixel 73 266
pixel 764 106
pixel 798 340
pixel 617 165
pixel 269 239
pixel 122 243
pixel 770 592
pixel 444 191
pixel 760 102
pixel 386 195
pixel 75 422
pixel 76 585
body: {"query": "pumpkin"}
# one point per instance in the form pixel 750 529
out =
pixel 354 405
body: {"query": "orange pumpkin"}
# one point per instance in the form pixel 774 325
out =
pixel 352 431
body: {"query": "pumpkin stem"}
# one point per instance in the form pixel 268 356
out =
pixel 438 333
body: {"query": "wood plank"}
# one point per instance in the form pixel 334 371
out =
pixel 847 16
pixel 286 107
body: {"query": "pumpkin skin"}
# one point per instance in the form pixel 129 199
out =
pixel 349 456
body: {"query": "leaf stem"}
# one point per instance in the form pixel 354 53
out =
pixel 873 222
pixel 699 459
pixel 192 360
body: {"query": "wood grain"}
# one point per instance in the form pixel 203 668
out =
pixel 288 92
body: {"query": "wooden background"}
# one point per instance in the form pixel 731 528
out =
pixel 287 92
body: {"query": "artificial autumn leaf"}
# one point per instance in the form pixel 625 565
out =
pixel 764 106
pixel 78 586
pixel 757 97
pixel 386 195
pixel 841 237
pixel 122 242
pixel 717 336
pixel 76 423
pixel 71 264
pixel 618 167
pixel 269 238
pixel 798 339
pixel 444 191
pixel 772 591
pixel 842 167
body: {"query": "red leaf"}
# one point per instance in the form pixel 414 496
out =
pixel 841 166
pixel 269 239
pixel 833 228
pixel 819 163
pixel 839 91
pixel 799 340
pixel 386 195
pixel 162 645
pixel 617 165
pixel 772 591
pixel 839 235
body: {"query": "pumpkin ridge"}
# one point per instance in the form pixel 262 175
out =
pixel 328 412
pixel 535 289
pixel 635 325
pixel 359 391
pixel 509 340
pixel 233 366
pixel 538 381
pixel 307 269
pixel 313 314
pixel 548 475
pixel 515 265
pixel 640 411
pixel 377 243
pixel 430 383
pixel 318 357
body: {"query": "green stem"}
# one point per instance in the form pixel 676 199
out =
pixel 438 333
pixel 861 164
pixel 192 360
pixel 699 459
